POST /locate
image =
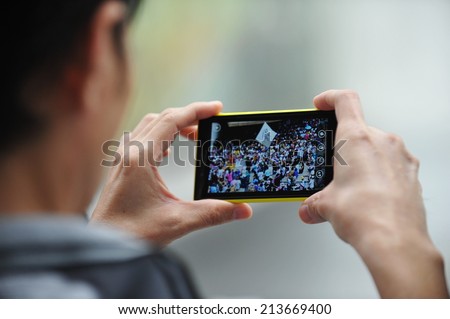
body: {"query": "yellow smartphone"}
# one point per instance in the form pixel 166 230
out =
pixel 264 156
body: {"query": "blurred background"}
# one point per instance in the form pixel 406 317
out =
pixel 278 54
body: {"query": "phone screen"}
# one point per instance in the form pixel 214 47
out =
pixel 264 156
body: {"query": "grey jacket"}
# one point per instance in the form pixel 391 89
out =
pixel 60 257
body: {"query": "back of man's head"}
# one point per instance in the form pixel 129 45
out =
pixel 39 37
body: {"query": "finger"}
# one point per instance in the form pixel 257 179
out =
pixel 315 210
pixel 172 121
pixel 190 132
pixel 144 124
pixel 346 103
pixel 308 216
pixel 210 212
pixel 179 118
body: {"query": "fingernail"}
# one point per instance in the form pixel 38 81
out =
pixel 240 212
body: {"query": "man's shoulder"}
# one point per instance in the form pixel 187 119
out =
pixel 43 285
pixel 64 258
pixel 50 241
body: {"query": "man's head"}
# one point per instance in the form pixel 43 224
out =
pixel 67 78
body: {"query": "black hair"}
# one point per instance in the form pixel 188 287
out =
pixel 39 37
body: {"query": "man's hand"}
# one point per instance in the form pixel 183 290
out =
pixel 135 197
pixel 375 204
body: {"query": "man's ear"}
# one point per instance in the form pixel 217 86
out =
pixel 96 58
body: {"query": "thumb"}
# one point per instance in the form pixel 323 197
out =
pixel 314 210
pixel 210 212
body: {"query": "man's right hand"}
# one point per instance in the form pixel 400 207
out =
pixel 375 204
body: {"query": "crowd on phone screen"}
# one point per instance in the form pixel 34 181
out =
pixel 288 164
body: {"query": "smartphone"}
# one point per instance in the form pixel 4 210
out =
pixel 264 156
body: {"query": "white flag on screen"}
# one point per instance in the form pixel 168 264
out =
pixel 266 135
